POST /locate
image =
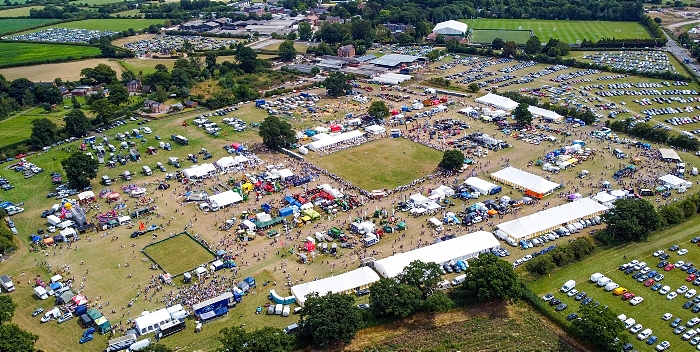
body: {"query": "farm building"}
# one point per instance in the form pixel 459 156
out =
pixel 344 283
pixel 482 186
pixel 674 182
pixel 497 101
pixel 549 220
pixel 460 248
pixel 451 27
pixel 532 184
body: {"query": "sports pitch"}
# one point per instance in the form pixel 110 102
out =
pixel 488 35
pixel 571 32
pixel 178 254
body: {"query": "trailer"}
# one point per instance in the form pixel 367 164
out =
pixel 7 283
pixel 179 139
pixel 121 343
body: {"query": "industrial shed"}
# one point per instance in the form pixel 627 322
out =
pixel 344 283
pixel 532 184
pixel 549 220
pixel 394 60
pixel 460 248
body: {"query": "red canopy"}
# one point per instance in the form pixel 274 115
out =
pixel 309 246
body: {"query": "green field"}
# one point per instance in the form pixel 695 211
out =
pixel 488 35
pixel 95 2
pixel 19 11
pixel 178 254
pixel 107 24
pixel 145 66
pixel 388 163
pixel 27 54
pixel 569 31
pixel 12 25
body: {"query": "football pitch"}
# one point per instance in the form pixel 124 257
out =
pixel 488 35
pixel 571 32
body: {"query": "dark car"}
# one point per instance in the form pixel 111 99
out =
pixel 137 234
pixel 697 282
pixel 586 301
pixel 674 248
pixel 664 256
pixel 163 186
pixel 637 275
pixel 629 270
pixel 675 322
pixel 561 307
pixel 627 347
pixel 696 308
pixel 447 268
pixel 362 292
pixel 692 270
pixel 554 301
pixel 652 340
pixel 579 296
pixel 45 214
pixel 642 278
pixel 695 240
pixel 656 286
pixel 687 305
pixel 662 264
pixel 571 316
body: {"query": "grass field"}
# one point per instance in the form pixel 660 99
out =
pixel 18 11
pixel 301 48
pixel 388 163
pixel 27 54
pixel 12 25
pixel 18 127
pixel 97 2
pixel 104 24
pixel 67 71
pixel 145 66
pixel 134 12
pixel 568 31
pixel 178 254
pixel 488 35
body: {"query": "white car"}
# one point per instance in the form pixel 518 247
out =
pixel 637 328
pixel 671 295
pixel 636 300
pixel 691 293
pixel 663 346
pixel 681 290
pixel 659 252
pixel 645 270
pixel 667 316
pixel 572 293
pixel 664 290
pixel 644 334
pixel 682 251
pixel 634 262
pixel 640 265
pixel 689 334
pixel 679 264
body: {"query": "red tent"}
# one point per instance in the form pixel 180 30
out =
pixel 309 246
pixel 394 112
pixel 336 128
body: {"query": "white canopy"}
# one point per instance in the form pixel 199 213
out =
pixel 443 190
pixel 68 232
pixel 86 195
pixel 225 198
pixel 241 159
pixel 669 154
pixel 199 170
pixel 285 173
pixel 551 219
pixel 604 198
pixel 149 323
pixel 544 113
pixel 226 162
pixel 343 283
pixel 375 129
pixel 336 193
pixel 674 181
pixel 450 27
pixel 497 101
pixel 479 185
pixel 249 224
pixel 524 180
pixel 460 248
pixel 263 217
pixel 332 140
pixel 419 199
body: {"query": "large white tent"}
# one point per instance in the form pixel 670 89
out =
pixel 674 181
pixel 226 162
pixel 669 154
pixel 198 170
pixel 479 185
pixel 604 198
pixel 450 27
pixel 375 129
pixel 150 322
pixel 497 101
pixel 539 112
pixel 344 283
pixel 460 248
pixel 550 219
pixel 225 198
pixel 332 140
pixel 524 180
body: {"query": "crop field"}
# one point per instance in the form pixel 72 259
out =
pixel 388 163
pixel 178 254
pixel 12 25
pixel 27 54
pixel 568 31
pixel 67 71
pixel 107 24
pixel 488 35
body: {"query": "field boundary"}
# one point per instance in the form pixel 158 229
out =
pixel 143 251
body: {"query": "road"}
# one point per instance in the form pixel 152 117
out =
pixel 263 43
pixel 673 26
pixel 681 54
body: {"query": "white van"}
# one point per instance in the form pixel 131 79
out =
pixel 124 220
pixel 459 279
pixel 571 228
pixel 604 281
pixel 595 277
pixel 285 311
pixel 611 286
pixel 568 286
pixel 629 323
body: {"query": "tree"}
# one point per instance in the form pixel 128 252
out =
pixel 497 44
pixel 389 298
pixel 247 59
pixel 74 101
pixel 540 265
pixel 378 109
pixel 423 276
pixel 18 87
pixel 600 328
pixel 329 320
pixel 210 61
pixel 118 94
pixel 631 219
pixel 304 31
pixel 80 169
pixel 337 84
pixel 156 347
pixel 658 20
pixel 436 302
pixel 267 339
pixel 14 339
pixel 43 132
pixel 128 76
pixel 533 45
pixel 489 278
pixel 510 49
pixel 452 160
pixel 7 309
pixel 103 110
pixel 522 115
pixel 473 87
pixel 161 94
pixel 287 51
pixel 276 133
pixel 100 74
pixel 77 124
pixel 48 94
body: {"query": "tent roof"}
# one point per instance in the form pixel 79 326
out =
pixel 199 170
pixel 604 197
pixel 497 101
pixel 86 195
pixel 552 217
pixel 223 296
pixel 225 162
pixel 450 27
pixel 544 113
pixel 419 198
pixel 375 129
pixel 225 198
pixel 478 183
pixel 525 180
pixel 673 180
pixel 669 154
pixel 152 319
pixel 439 253
pixel 339 283
pixel 331 140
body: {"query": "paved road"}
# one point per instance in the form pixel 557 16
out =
pixel 673 26
pixel 681 54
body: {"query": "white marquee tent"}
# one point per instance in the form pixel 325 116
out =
pixel 524 180
pixel 375 129
pixel 539 112
pixel 419 199
pixel 497 101
pixel 450 27
pixel 344 283
pixel 674 181
pixel 148 323
pixel 225 198
pixel 460 248
pixel 327 142
pixel 479 185
pixel 199 170
pixel 604 198
pixel 226 162
pixel 548 220
pixel 669 154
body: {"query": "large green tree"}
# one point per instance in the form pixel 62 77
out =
pixel 7 309
pixel 287 51
pixel 510 49
pixel 330 320
pixel 118 94
pixel 18 87
pixel 389 298
pixel 247 59
pixel 80 169
pixel 522 115
pixel 378 109
pixel 488 279
pixel 267 339
pixel 421 275
pixel 600 328
pixel 497 44
pixel 44 132
pixel 48 94
pixel 337 84
pixel 14 339
pixel 276 133
pixel 631 219
pixel 77 124
pixel 304 31
pixel 533 45
pixel 452 160
pixel 100 74
pixel 103 110
pixel 156 347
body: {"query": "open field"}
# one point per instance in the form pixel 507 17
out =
pixel 395 162
pixel 106 24
pixel 11 25
pixel 18 127
pixel 486 36
pixel 146 66
pixel 178 254
pixel 134 12
pixel 568 31
pixel 301 48
pixel 18 11
pixel 67 71
pixel 98 2
pixel 25 53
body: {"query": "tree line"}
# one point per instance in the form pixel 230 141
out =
pixel 584 115
pixel 646 131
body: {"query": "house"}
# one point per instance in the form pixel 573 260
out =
pixel 82 91
pixel 146 89
pixel 134 86
pixel 334 19
pixel 346 51
pixel 191 104
pixel 312 19
pixel 155 106
pixel 276 10
pixel 257 9
pixel 64 90
pixel 398 28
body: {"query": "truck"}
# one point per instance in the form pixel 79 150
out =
pixel 370 240
pixel 179 139
pixel 121 343
pixel 7 283
pixel 551 168
pixel 459 280
pixel 106 180
pixel 126 175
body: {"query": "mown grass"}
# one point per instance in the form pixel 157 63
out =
pixel 178 254
pixel 11 25
pixel 107 24
pixel 13 54
pixel 19 127
pixel 18 11
pixel 145 66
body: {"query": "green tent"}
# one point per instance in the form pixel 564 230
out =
pixel 94 314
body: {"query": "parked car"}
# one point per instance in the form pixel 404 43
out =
pixel 561 307
pixel 676 322
pixel 663 346
pixel 652 340
pixel 667 316
pixel 636 300
pixel 37 311
pixel 671 296
pixel 547 297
